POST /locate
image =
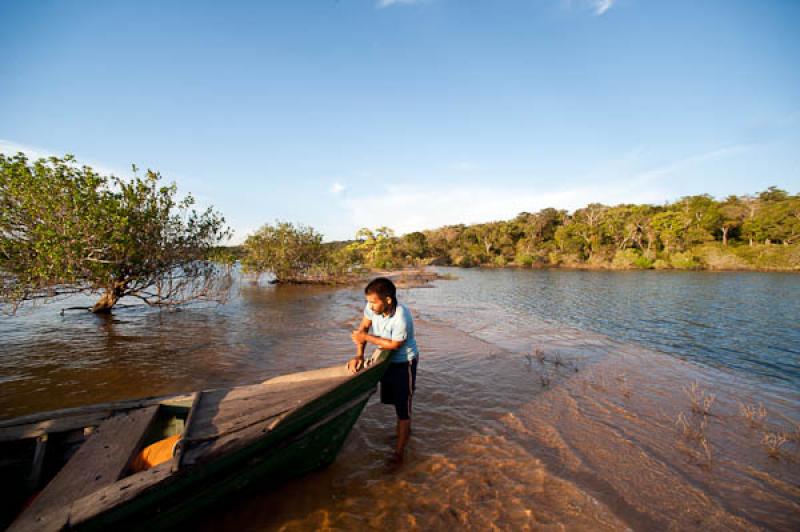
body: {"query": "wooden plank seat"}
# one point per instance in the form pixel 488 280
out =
pixel 230 419
pixel 100 461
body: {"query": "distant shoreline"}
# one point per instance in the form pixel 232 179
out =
pixel 610 268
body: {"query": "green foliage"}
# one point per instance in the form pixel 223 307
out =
pixel 414 245
pixel 287 251
pixel 631 258
pixel 630 236
pixel 717 256
pixel 769 256
pixel 377 247
pixel 693 232
pixel 684 261
pixel 661 264
pixel 775 221
pixel 523 259
pixel 66 229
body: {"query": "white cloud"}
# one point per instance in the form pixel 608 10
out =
pixel 407 208
pixel 412 208
pixel 388 3
pixel 690 161
pixel 601 6
pixel 337 188
pixel 597 7
pixel 9 147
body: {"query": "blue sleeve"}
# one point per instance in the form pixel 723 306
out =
pixel 400 326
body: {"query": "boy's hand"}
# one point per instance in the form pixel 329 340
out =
pixel 359 337
pixel 355 364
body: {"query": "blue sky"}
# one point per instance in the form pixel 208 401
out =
pixel 410 114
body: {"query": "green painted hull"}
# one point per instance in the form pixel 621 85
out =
pixel 307 440
pixel 182 501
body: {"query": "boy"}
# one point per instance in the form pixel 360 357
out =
pixel 393 328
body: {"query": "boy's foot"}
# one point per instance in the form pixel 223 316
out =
pixel 394 462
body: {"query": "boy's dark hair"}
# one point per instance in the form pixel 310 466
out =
pixel 382 287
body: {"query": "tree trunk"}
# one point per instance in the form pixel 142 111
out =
pixel 724 236
pixel 106 301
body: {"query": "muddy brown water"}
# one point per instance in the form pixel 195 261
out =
pixel 593 431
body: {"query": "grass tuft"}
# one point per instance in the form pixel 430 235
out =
pixel 755 415
pixel 772 442
pixel 694 431
pixel 701 402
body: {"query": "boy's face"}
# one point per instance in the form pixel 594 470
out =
pixel 377 304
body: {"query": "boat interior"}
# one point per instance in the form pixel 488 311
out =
pixel 33 457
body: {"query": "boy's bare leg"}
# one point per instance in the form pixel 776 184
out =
pixel 403 432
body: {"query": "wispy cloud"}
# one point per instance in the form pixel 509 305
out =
pixel 690 161
pixel 417 207
pixel 601 6
pixel 426 207
pixel 9 147
pixel 597 7
pixel 337 188
pixel 388 3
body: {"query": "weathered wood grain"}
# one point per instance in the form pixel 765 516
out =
pixel 99 462
pixel 36 425
pixel 120 492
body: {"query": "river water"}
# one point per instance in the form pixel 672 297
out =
pixel 546 399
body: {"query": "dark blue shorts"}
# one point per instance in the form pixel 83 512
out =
pixel 397 387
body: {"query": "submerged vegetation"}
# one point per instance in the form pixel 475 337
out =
pixel 66 229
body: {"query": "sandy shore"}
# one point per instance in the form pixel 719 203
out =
pixel 579 433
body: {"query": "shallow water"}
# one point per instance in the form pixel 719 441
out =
pixel 743 321
pixel 582 435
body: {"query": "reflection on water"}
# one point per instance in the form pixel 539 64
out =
pixel 582 435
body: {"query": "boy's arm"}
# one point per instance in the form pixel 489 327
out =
pixel 361 338
pixel 355 364
pixel 366 323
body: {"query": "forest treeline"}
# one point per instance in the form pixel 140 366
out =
pixel 66 229
pixel 759 231
pixel 693 232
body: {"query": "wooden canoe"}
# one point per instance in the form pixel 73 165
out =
pixel 72 468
